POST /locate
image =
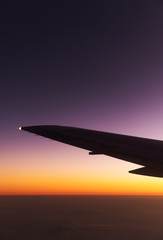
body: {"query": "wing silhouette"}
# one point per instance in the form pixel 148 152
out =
pixel 146 152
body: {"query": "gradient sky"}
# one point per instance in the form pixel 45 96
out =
pixel 90 64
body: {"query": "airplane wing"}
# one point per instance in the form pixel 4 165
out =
pixel 143 151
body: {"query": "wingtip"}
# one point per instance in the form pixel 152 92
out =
pixel 23 128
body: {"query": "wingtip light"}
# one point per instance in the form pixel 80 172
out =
pixel 20 128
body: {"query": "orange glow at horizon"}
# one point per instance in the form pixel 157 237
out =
pixel 39 185
pixel 62 184
pixel 71 172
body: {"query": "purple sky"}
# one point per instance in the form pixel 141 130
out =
pixel 91 64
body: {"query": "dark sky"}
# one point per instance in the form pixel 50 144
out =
pixel 78 59
pixel 91 64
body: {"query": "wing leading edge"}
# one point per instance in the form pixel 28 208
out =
pixel 146 152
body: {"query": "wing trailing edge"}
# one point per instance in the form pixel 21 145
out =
pixel 147 171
